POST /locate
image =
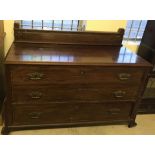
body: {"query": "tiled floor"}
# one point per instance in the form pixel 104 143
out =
pixel 146 126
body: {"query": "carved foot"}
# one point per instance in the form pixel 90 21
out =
pixel 5 131
pixel 132 124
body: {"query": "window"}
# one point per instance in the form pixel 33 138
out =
pixel 134 30
pixel 125 56
pixel 62 25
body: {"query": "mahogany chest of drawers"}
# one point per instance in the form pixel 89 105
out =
pixel 72 85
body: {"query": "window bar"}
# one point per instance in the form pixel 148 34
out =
pixel 42 22
pixel 62 25
pixel 22 23
pixel 130 30
pixel 78 26
pixel 72 25
pixel 138 30
pixel 124 55
pixel 52 24
pixel 32 24
pixel 131 57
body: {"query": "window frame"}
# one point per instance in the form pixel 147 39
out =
pixel 80 25
pixel 131 28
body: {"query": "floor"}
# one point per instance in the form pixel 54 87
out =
pixel 146 126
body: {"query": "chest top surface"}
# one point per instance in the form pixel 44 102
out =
pixel 73 55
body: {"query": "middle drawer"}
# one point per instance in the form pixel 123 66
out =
pixel 59 93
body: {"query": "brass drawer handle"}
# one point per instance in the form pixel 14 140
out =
pixel 35 115
pixel 119 94
pixel 35 76
pixel 124 76
pixel 82 72
pixel 35 95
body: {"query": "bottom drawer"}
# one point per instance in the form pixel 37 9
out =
pixel 70 113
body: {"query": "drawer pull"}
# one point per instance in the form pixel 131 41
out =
pixel 119 94
pixel 82 72
pixel 124 76
pixel 35 76
pixel 36 95
pixel 34 115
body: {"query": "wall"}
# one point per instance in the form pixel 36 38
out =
pixel 8 28
pixel 105 25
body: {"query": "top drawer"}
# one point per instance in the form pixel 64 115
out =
pixel 74 74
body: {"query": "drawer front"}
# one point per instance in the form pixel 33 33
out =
pixel 40 94
pixel 70 113
pixel 75 74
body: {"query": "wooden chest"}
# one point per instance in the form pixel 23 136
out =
pixel 72 85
